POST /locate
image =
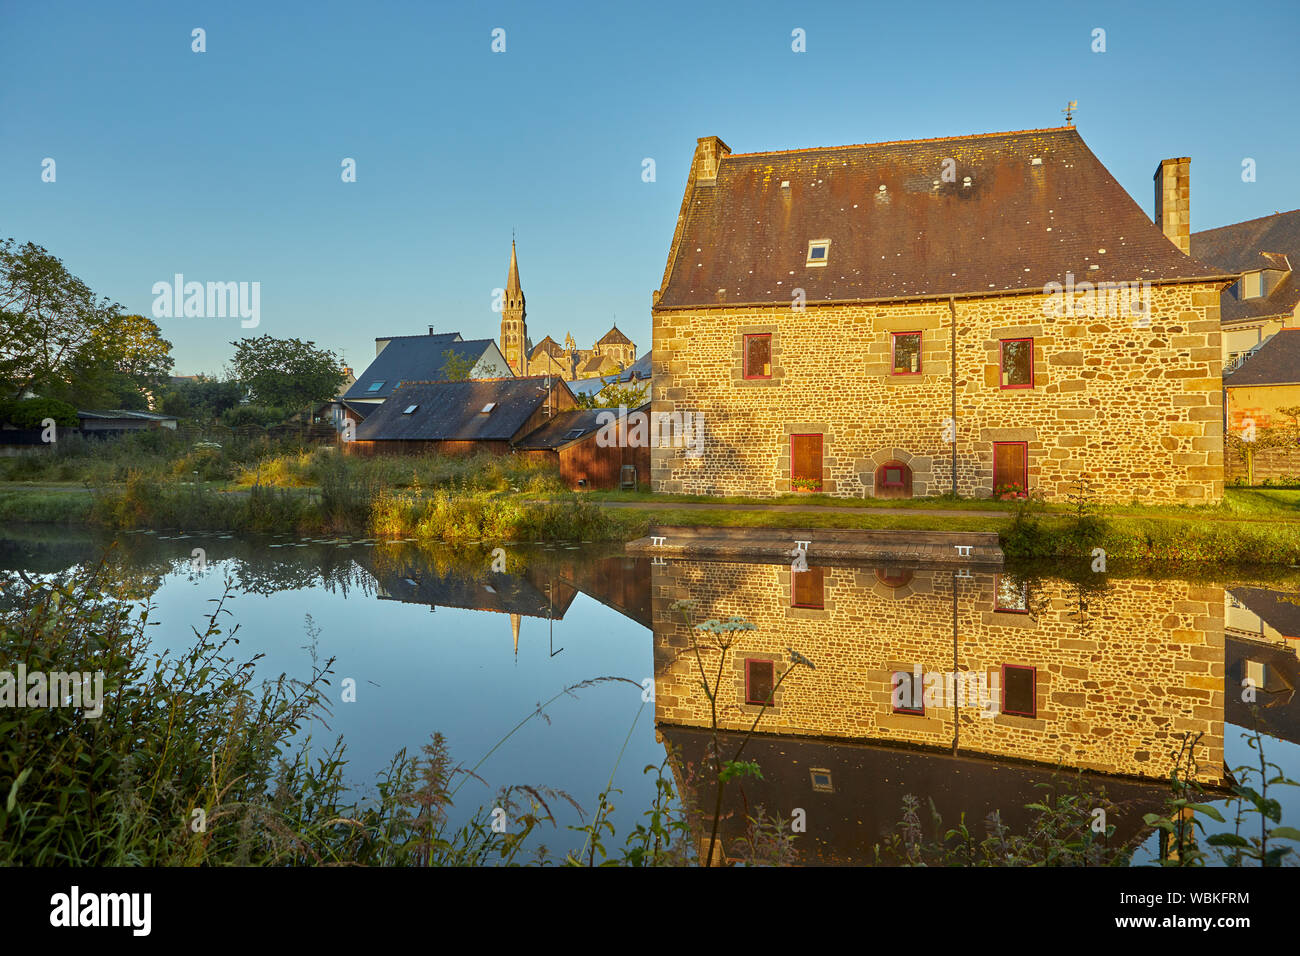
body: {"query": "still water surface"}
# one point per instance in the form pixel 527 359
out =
pixel 1104 676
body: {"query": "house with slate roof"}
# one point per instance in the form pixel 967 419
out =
pixel 986 314
pixel 1266 299
pixel 422 358
pixel 461 418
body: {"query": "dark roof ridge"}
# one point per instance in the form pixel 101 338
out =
pixel 1245 222
pixel 903 142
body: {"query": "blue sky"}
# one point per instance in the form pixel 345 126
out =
pixel 225 165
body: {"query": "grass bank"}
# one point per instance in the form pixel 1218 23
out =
pixel 250 484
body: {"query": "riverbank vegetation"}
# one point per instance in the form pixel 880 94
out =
pixel 248 480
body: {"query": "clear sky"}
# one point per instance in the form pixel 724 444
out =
pixel 225 165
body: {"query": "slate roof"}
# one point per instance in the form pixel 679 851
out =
pixel 549 346
pixel 453 411
pixel 567 427
pixel 1016 226
pixel 113 413
pixel 413 358
pixel 1274 607
pixel 1276 362
pixel 1271 242
pixel 564 428
pixel 503 593
pixel 614 337
pixel 590 386
pixel 640 369
pixel 361 409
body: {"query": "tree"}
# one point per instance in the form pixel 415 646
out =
pixel 455 367
pixel 123 363
pixel 47 316
pixel 286 373
pixel 202 398
pixel 615 395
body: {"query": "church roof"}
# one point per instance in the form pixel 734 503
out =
pixel 614 337
pixel 549 346
pixel 1019 210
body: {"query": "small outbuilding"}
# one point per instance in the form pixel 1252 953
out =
pixel 592 449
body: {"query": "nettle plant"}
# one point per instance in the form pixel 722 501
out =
pixel 1180 842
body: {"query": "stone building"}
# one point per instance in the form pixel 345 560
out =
pixel 981 314
pixel 1108 682
pixel 613 352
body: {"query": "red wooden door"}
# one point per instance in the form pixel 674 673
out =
pixel 806 462
pixel 1010 467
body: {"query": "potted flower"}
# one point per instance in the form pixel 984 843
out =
pixel 806 484
pixel 1010 489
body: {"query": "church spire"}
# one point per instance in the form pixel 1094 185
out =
pixel 513 289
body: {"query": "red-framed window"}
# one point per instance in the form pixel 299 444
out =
pixel 1011 469
pixel 906 353
pixel 1009 595
pixel 1017 363
pixel 1019 690
pixel 907 695
pixel 758 355
pixel 807 588
pixel 760 681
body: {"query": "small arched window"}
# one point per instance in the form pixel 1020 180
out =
pixel 893 480
pixel 894 577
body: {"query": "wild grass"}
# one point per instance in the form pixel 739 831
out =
pixel 483 472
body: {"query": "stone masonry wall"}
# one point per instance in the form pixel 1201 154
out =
pixel 1138 410
pixel 1116 687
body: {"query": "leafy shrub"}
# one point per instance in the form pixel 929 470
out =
pixel 31 412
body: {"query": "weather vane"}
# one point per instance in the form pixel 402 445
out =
pixel 1069 112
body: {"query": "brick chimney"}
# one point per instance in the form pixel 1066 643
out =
pixel 1173 201
pixel 709 151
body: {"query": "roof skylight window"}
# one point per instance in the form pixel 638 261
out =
pixel 818 251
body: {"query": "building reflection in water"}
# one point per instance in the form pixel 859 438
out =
pixel 1113 683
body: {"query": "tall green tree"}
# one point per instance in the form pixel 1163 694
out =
pixel 47 315
pixel 124 364
pixel 286 373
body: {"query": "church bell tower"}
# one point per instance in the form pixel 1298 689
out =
pixel 514 331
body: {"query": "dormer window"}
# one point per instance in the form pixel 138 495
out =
pixel 1250 286
pixel 818 251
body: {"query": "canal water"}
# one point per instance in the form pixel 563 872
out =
pixel 574 666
